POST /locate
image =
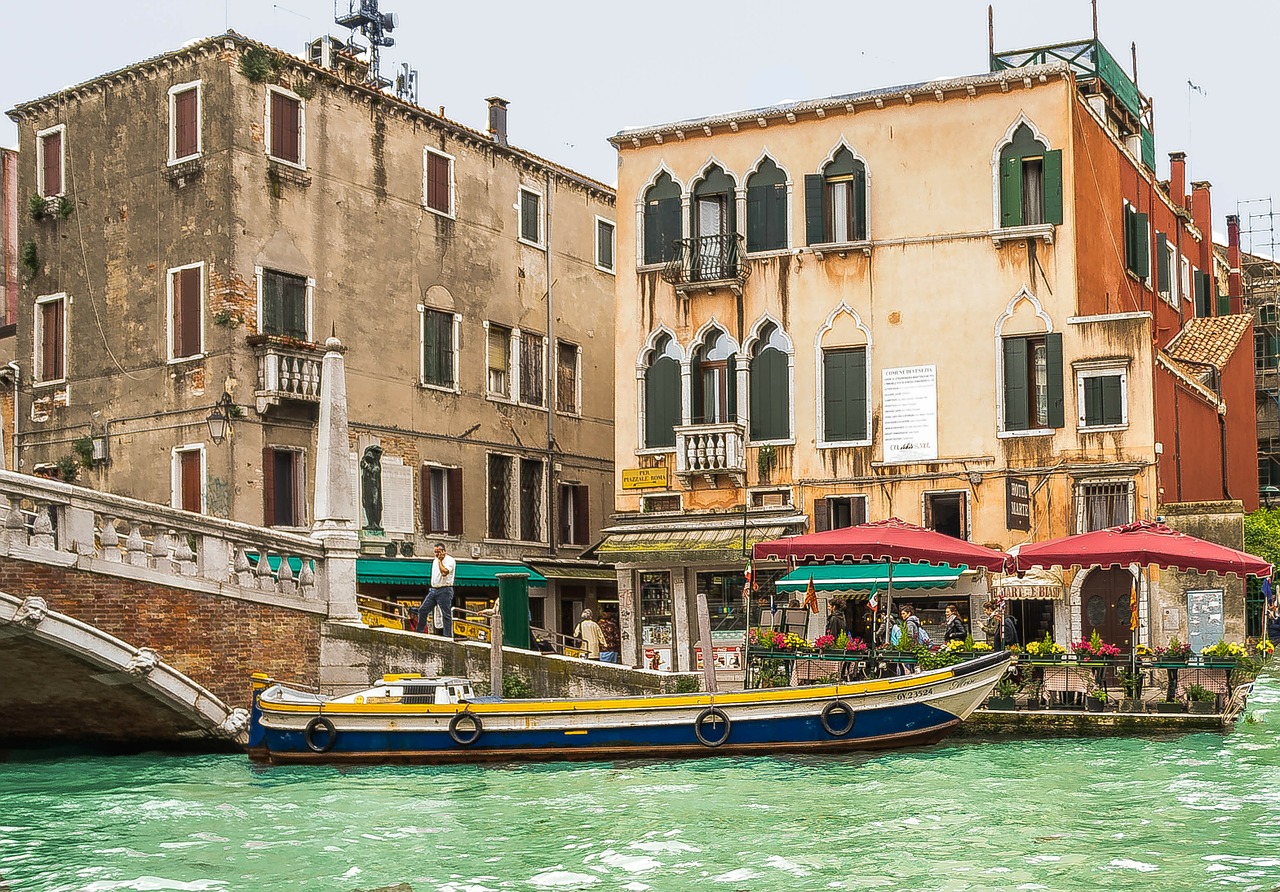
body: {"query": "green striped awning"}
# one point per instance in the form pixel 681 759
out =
pixel 868 577
pixel 417 571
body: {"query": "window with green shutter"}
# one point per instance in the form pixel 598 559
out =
pixel 1102 398
pixel 1137 242
pixel 531 217
pixel 844 394
pixel 1030 181
pixel 1164 266
pixel 769 383
pixel 662 229
pixel 662 395
pixel 284 305
pixel 835 201
pixel 767 208
pixel 437 348
pixel 1033 396
pixel 713 374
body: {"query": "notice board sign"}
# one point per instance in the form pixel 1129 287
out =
pixel 1204 618
pixel 910 401
pixel 1017 503
pixel 644 478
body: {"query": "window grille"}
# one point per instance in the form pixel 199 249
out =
pixel 1103 505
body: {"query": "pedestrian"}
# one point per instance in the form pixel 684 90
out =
pixel 835 619
pixel 612 637
pixel 443 569
pixel 953 625
pixel 1008 630
pixel 1273 625
pixel 589 633
pixel 990 628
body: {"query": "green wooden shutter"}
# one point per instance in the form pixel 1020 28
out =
pixel 1162 262
pixel 860 198
pixel 731 389
pixel 1053 369
pixel 1130 250
pixel 1224 305
pixel 662 402
pixel 757 218
pixel 1200 280
pixel 698 398
pixel 856 382
pixel 296 308
pixel 1142 245
pixel 661 229
pixel 821 515
pixel 770 408
pixel 431 359
pixel 814 219
pixel 1112 400
pixel 1092 402
pixel 835 406
pixel 1017 398
pixel 1053 186
pixel 1011 190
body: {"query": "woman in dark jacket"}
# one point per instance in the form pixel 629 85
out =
pixel 953 626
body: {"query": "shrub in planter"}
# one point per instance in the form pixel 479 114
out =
pixel 1169 706
pixel 1003 694
pixel 1200 700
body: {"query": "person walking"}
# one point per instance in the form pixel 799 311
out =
pixel 990 624
pixel 953 625
pixel 612 637
pixel 443 570
pixel 592 637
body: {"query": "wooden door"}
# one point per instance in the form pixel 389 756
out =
pixel 1104 606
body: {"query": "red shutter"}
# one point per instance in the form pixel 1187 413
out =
pixel 821 516
pixel 438 183
pixel 191 482
pixel 186 312
pixel 285 115
pixel 51 343
pixel 454 489
pixel 425 489
pixel 268 486
pixel 53 163
pixel 581 516
pixel 186 122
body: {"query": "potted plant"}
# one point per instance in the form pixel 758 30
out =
pixel 1034 689
pixel 1046 650
pixel 1175 653
pixel 855 646
pixel 1169 706
pixel 1096 701
pixel 1131 682
pixel 1223 655
pixel 1201 700
pixel 825 643
pixel 1093 649
pixel 1002 696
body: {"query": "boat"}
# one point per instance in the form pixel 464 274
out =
pixel 412 718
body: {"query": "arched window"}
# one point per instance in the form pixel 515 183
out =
pixel 769 387
pixel 843 355
pixel 1030 372
pixel 714 224
pixel 714 374
pixel 1030 181
pixel 661 220
pixel 767 208
pixel 662 394
pixel 835 201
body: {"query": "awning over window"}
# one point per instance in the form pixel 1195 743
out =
pixel 868 577
pixel 409 571
pixel 667 546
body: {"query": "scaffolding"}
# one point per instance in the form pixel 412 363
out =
pixel 1260 284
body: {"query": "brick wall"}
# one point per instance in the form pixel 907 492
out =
pixel 216 641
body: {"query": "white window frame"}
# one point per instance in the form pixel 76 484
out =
pixel 453 184
pixel 37 356
pixel 429 467
pixel 1185 268
pixel 169 306
pixel 613 239
pixel 423 309
pixel 577 379
pixel 301 163
pixel 820 379
pixel 198 86
pixel 62 161
pixel 175 475
pixel 311 289
pixel 541 243
pixel 513 370
pixel 1101 369
pixel 1077 493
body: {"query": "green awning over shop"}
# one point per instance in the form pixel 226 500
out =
pixel 410 571
pixel 868 577
pixel 725 544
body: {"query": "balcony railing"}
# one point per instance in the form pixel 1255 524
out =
pixel 711 449
pixel 708 261
pixel 288 369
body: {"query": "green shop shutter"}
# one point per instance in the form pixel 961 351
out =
pixel 1011 191
pixel 814 219
pixel 1017 399
pixel 1053 186
pixel 1053 363
pixel 661 402
pixel 1162 262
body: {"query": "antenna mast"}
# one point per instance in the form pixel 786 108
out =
pixel 365 17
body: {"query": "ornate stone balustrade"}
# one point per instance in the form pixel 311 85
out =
pixel 287 369
pixel 710 449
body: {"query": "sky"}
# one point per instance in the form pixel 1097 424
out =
pixel 577 72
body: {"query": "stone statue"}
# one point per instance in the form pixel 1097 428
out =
pixel 371 487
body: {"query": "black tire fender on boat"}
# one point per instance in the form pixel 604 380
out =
pixel 466 736
pixel 325 727
pixel 706 716
pixel 837 708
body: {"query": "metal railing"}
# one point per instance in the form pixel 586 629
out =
pixel 706 261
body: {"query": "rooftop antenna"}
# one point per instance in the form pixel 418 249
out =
pixel 365 17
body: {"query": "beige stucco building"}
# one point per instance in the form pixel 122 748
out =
pixel 944 302
pixel 210 215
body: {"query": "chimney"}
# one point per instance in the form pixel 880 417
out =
pixel 498 119
pixel 1233 262
pixel 1178 178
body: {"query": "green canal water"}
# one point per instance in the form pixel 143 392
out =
pixel 1198 811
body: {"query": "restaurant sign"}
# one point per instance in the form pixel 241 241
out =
pixel 1017 504
pixel 644 478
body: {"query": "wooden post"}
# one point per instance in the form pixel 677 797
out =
pixel 708 656
pixel 495 652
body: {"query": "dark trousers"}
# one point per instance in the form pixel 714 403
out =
pixel 442 596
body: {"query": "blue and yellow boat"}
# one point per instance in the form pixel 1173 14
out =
pixel 411 718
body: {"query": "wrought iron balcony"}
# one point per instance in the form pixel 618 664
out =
pixel 288 369
pixel 709 261
pixel 711 449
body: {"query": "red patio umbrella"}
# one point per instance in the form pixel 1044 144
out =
pixel 1144 542
pixel 891 540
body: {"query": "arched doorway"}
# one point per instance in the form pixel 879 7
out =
pixel 1104 606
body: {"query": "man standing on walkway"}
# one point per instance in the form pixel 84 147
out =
pixel 592 638
pixel 443 569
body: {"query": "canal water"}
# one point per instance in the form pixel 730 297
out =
pixel 1197 811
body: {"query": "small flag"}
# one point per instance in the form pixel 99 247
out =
pixel 1133 606
pixel 1196 88
pixel 874 603
pixel 811 596
pixel 1267 592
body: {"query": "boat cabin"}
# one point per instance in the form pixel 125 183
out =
pixel 414 689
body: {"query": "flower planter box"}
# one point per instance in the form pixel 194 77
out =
pixel 1093 704
pixel 1001 703
pixel 1130 704
pixel 1034 703
pixel 1202 707
pixel 1166 707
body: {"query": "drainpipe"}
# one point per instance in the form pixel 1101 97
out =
pixel 549 370
pixel 13 367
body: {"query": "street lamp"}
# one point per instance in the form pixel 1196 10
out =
pixel 219 419
pixel 1269 494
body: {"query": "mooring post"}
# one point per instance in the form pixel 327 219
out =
pixel 495 651
pixel 708 656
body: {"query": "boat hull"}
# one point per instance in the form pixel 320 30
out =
pixel 880 714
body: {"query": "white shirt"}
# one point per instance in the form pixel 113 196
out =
pixel 442 570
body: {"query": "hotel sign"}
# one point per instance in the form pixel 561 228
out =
pixel 1017 503
pixel 644 478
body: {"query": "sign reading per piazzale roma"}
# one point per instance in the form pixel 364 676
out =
pixel 644 478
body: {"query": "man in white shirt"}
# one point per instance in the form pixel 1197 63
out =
pixel 443 569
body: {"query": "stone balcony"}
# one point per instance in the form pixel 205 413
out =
pixel 711 450
pixel 288 369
